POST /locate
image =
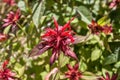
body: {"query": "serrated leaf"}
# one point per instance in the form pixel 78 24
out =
pixel 95 54
pixel 21 5
pixel 85 14
pixel 38 12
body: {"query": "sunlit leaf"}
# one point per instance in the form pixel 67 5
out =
pixel 85 14
pixel 21 5
pixel 96 54
pixel 38 12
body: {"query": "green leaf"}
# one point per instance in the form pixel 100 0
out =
pixel 63 60
pixel 103 21
pixel 21 5
pixel 7 29
pixel 38 12
pixel 20 69
pixel 115 48
pixel 111 59
pixel 85 14
pixel 95 54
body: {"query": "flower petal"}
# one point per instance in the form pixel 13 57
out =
pixel 114 77
pixel 76 66
pixel 107 76
pixel 52 59
pixel 69 66
pixel 67 25
pixel 70 53
pixel 53 71
pixel 56 24
pixel 39 49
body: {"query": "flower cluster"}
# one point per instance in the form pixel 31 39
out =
pixel 96 28
pixel 57 39
pixel 11 19
pixel 5 73
pixel 73 73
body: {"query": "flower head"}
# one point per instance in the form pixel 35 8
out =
pixel 96 28
pixel 114 3
pixel 57 39
pixel 12 18
pixel 3 37
pixel 73 73
pixel 9 2
pixel 114 77
pixel 5 73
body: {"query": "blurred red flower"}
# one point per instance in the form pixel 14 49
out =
pixel 114 77
pixel 10 2
pixel 57 39
pixel 96 29
pixel 114 3
pixel 73 73
pixel 5 73
pixel 11 19
pixel 3 37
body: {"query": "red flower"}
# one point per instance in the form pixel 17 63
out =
pixel 10 2
pixel 73 73
pixel 5 73
pixel 95 28
pixel 114 3
pixel 57 39
pixel 12 18
pixel 3 37
pixel 114 77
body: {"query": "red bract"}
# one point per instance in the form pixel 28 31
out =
pixel 11 19
pixel 107 29
pixel 10 2
pixel 57 39
pixel 73 73
pixel 114 77
pixel 3 37
pixel 5 73
pixel 96 29
pixel 114 3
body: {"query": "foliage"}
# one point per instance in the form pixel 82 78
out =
pixel 97 53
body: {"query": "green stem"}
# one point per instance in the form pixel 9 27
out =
pixel 22 29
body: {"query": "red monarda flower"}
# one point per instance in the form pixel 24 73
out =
pixel 10 2
pixel 114 77
pixel 73 73
pixel 57 39
pixel 3 37
pixel 11 19
pixel 114 3
pixel 96 29
pixel 5 73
